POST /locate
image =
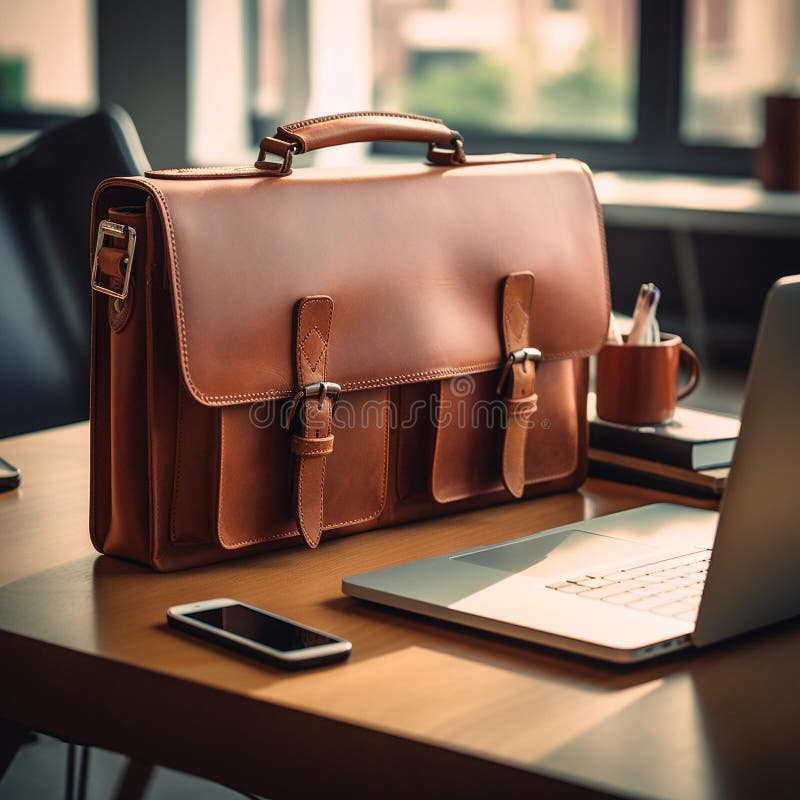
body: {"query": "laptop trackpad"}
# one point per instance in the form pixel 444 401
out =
pixel 557 554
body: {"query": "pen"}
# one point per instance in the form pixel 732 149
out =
pixel 655 331
pixel 644 314
pixel 613 335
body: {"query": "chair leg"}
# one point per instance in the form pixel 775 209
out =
pixel 12 737
pixel 69 781
pixel 134 782
pixel 83 773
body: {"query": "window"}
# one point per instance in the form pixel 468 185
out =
pixel 537 66
pixel 737 51
pixel 671 85
pixel 47 56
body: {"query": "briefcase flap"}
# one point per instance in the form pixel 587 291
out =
pixel 413 256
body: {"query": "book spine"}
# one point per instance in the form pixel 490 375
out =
pixel 614 472
pixel 642 445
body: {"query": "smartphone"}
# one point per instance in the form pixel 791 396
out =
pixel 9 475
pixel 259 634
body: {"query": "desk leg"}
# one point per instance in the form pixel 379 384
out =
pixel 691 291
pixel 134 782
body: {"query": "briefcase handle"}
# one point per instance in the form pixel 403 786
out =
pixel 445 146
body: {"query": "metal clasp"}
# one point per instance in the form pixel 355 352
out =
pixel 454 156
pixel 521 356
pixel 109 228
pixel 320 390
pixel 278 169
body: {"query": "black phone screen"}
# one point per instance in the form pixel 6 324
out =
pixel 261 628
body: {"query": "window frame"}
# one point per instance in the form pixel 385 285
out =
pixel 656 145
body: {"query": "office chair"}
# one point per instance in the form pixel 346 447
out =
pixel 46 189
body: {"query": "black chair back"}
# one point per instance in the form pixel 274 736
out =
pixel 46 188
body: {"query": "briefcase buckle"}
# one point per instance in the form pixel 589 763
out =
pixel 320 391
pixel 521 356
pixel 109 228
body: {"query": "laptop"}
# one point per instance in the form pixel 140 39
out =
pixel 638 584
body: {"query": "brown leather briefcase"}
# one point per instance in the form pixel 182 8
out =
pixel 282 356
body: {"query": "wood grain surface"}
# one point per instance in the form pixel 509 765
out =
pixel 421 707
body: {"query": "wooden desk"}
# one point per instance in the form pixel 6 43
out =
pixel 421 709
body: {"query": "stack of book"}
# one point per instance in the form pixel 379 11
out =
pixel 691 454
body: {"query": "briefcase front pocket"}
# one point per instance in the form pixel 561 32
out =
pixel 471 421
pixel 256 476
pixel 233 482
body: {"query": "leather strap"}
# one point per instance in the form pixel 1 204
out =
pixel 517 385
pixel 359 126
pixel 313 440
pixel 445 146
pixel 112 262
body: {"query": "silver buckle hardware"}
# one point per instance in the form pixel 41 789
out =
pixel 109 228
pixel 521 356
pixel 320 390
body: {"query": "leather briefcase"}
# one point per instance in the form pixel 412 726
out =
pixel 281 356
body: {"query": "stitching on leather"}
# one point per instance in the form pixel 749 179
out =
pixel 384 483
pixel 507 328
pixel 322 451
pixel 296 126
pixel 177 279
pixel 437 447
pixel 199 170
pixel 321 525
pixel 327 338
pixel 331 526
pixel 323 447
pixel 178 450
pixel 152 491
pixel 324 355
pixel 315 365
pixel 525 324
pixel 300 498
pixel 220 399
pixel 221 488
pixel 515 437
pixel 297 364
pixel 205 172
pixel 315 535
pixel 293 127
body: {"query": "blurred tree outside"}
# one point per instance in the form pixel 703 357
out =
pixel 494 91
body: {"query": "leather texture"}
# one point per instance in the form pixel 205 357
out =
pixel 204 173
pixel 194 456
pixel 518 380
pixel 314 416
pixel 358 126
pixel 455 234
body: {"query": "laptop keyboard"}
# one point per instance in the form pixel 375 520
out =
pixel 671 587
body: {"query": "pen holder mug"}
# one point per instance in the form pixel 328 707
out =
pixel 638 384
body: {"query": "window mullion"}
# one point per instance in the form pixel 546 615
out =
pixel 660 77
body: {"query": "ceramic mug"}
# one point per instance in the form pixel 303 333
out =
pixel 638 384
